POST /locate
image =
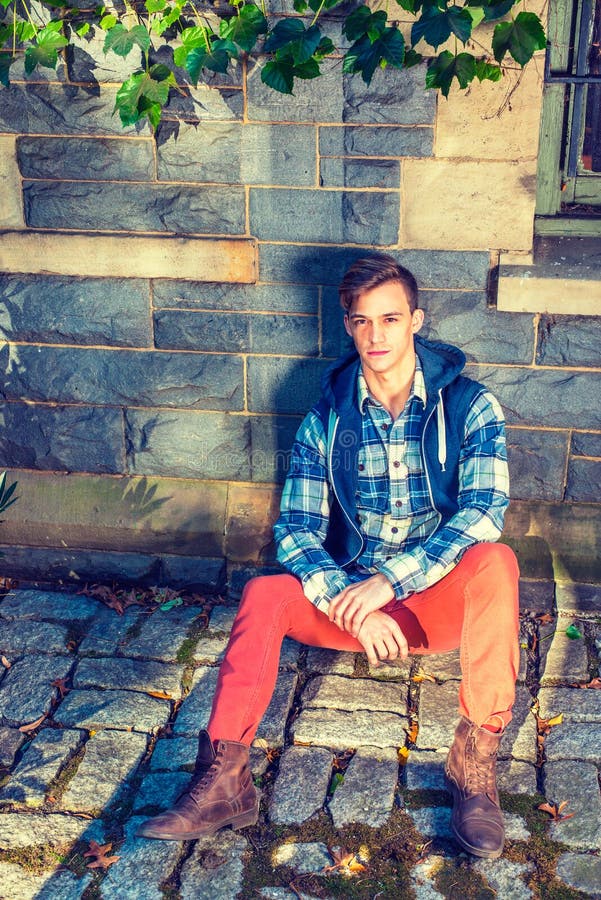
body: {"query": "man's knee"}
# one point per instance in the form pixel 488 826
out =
pixel 497 558
pixel 268 591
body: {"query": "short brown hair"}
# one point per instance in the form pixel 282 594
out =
pixel 370 272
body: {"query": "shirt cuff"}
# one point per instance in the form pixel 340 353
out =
pixel 321 587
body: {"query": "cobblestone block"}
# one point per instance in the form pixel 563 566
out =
pixel 175 753
pixel 129 675
pixel 94 205
pixel 566 658
pixel 391 670
pixel 336 692
pixel 209 445
pixel 236 154
pixel 336 217
pixel 20 884
pixel 235 297
pixel 424 770
pixel 37 636
pixel 289 385
pixel 436 822
pixel 27 689
pixel 578 783
pixel 273 722
pixel 581 740
pixel 107 633
pixel 580 871
pixel 62 438
pixel 41 762
pixel 516 777
pixel 215 867
pixel 161 635
pixel 573 597
pixel 86 158
pixel 11 740
pixel 303 857
pixel 568 341
pixel 195 710
pixel 289 654
pixel 210 648
pixel 125 710
pixel 422 877
pixel 344 730
pixel 386 141
pixel 519 740
pixel 438 715
pixel 49 309
pixel 441 665
pixel 141 862
pixel 222 618
pixel 330 662
pixel 20 831
pixel 505 877
pixel 110 760
pixel 575 705
pixel 159 792
pixel 359 173
pixel 301 786
pixel 584 480
pixel 75 375
pixel 49 605
pixel 367 793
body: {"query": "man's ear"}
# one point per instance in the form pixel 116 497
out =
pixel 417 320
pixel 347 325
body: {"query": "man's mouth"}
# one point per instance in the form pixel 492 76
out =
pixel 377 352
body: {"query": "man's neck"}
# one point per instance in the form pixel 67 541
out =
pixel 392 389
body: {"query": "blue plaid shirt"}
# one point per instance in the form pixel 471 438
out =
pixel 395 513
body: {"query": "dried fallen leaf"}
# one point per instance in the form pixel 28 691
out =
pixel 347 864
pixel 593 684
pixel 160 695
pixel 99 856
pixel 32 725
pixel 422 676
pixel 5 662
pixel 61 686
pixel 545 619
pixel 555 810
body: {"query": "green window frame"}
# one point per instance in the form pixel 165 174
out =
pixel 569 173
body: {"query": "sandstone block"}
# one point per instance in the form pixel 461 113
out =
pixel 10 185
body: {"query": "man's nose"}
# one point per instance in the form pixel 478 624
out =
pixel 377 333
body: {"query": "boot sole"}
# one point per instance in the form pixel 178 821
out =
pixel 236 824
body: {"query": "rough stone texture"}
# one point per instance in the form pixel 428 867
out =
pixel 273 722
pixel 577 597
pixel 581 740
pixel 141 862
pixel 584 479
pixel 19 831
pixel 580 871
pixel 171 754
pixel 290 385
pixel 436 822
pixel 359 173
pixel 162 634
pixel 27 690
pixel 41 762
pixel 37 636
pixel 141 207
pixel 506 877
pixel 350 217
pixel 515 777
pixel 568 341
pixel 584 444
pixel 99 159
pixel 223 297
pixel 106 634
pixel 397 670
pixel 10 185
pixel 441 665
pixel 537 596
pixel 575 705
pixel 330 662
pixel 19 884
pixel 54 310
pixel 11 740
pixel 110 760
pixel 519 740
pixel 578 783
pixel 537 461
pixel 222 618
pixel 422 876
pixel 301 786
pixel 367 793
pixel 438 715
pixel 75 375
pixel 566 658
pixel 344 730
pixel 210 648
pixel 159 792
pixel 129 674
pixel 215 867
pixel 32 604
pixel 125 710
pixel 388 141
pixel 195 710
pixel 424 770
pixel 336 692
pixel 303 857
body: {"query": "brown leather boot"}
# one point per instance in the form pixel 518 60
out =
pixel 477 820
pixel 221 793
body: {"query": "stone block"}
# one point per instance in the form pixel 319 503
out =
pixel 442 666
pixel 57 564
pixel 273 723
pixel 303 857
pixel 575 705
pixel 52 310
pixel 335 217
pixel 140 862
pixel 578 783
pixel 584 480
pixel 484 335
pixel 345 729
pixel 424 770
pixel 162 633
pixel 42 760
pixel 187 330
pixel 34 604
pixel 194 712
pixel 14 639
pixel 222 618
pixel 326 265
pixel 28 689
pixel 516 777
pixel 87 61
pixel 204 103
pixel 337 692
pixel 579 740
pixel 537 463
pixel 293 298
pixel 580 871
pixel 286 384
pixel 566 659
pixel 396 96
pixel 391 670
pixel 145 676
pixel 119 377
pixel 384 141
pixel 62 438
pixel 208 445
pixel 272 438
pixel 171 754
pixel 21 884
pixel 102 159
pixel 438 715
pixel 107 634
pixel 330 662
pixel 368 791
pixel 215 868
pixel 110 761
pixel 121 710
pixel 94 205
pixel 359 173
pixel 537 596
pixel 198 573
pixel 506 878
pixel 11 740
pixel 19 831
pixel 584 444
pixel 210 648
pixel 10 185
pixel 301 786
pixel 569 341
pixel 483 125
pixel 239 154
pixel 305 104
pixel 251 512
pixel 435 216
pixel 159 792
pixel 118 256
pixel 519 740
pixel 529 396
pixel 574 597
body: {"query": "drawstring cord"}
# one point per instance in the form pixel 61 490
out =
pixel 442 435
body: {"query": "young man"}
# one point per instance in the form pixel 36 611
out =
pixel 396 491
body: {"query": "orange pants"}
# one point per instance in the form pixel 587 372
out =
pixel 475 607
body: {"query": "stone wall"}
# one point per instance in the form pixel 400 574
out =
pixel 168 306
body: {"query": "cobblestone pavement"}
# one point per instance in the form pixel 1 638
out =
pixel 98 721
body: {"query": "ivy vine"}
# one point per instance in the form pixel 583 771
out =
pixel 200 39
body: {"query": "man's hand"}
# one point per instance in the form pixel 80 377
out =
pixel 351 606
pixel 382 638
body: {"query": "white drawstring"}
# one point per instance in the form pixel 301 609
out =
pixel 442 435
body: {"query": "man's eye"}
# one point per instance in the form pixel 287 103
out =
pixel 392 319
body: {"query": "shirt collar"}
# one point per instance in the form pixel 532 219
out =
pixel 418 388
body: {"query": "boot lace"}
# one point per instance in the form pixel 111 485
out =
pixel 480 771
pixel 202 780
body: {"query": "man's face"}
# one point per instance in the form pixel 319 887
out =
pixel 382 327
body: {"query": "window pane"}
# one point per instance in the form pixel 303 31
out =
pixel 591 148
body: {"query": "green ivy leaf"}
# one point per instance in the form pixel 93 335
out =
pixel 153 6
pixel 361 21
pixel 108 22
pixel 121 41
pixel 83 29
pixel 521 38
pixel 137 97
pixel 193 37
pixel 245 28
pixel 365 56
pixel 412 58
pixel 307 70
pixel 217 59
pixel 487 72
pixel 286 31
pixel 300 6
pixel 324 48
pixel 493 9
pixel 435 26
pixel 279 75
pixel 304 48
pixel 5 34
pixel 6 61
pixel 5 3
pixel 44 52
pixel 446 66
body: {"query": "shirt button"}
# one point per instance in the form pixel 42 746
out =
pixel 396 464
pixel 384 426
pixel 388 557
pixel 361 467
pixel 398 503
pixel 394 530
